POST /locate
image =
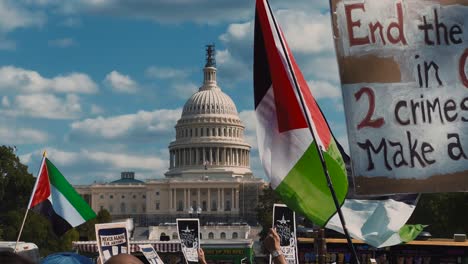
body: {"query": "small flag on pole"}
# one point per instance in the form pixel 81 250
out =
pixel 55 198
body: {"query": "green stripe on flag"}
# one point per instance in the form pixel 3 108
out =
pixel 63 186
pixel 410 232
pixel 305 188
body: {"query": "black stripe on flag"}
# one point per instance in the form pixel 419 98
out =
pixel 59 225
pixel 262 77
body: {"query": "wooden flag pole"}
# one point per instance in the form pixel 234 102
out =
pixel 21 229
pixel 319 149
pixel 44 154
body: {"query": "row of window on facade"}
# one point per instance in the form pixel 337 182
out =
pixel 180 207
pixel 211 235
pixel 111 196
pixel 209 132
pixel 211 155
pixel 210 107
pixel 124 210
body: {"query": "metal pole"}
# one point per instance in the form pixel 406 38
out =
pixel 319 150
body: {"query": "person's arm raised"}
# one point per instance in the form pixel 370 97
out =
pixel 201 256
pixel 272 244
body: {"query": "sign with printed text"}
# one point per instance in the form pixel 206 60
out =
pixel 150 254
pixel 284 222
pixel 189 235
pixel 112 239
pixel 404 75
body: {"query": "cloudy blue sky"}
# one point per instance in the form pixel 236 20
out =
pixel 100 83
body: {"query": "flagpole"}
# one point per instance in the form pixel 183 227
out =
pixel 319 149
pixel 44 154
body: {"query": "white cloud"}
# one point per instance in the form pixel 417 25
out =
pixel 45 106
pixel 238 32
pixel 323 89
pixel 163 11
pixel 12 135
pixel 62 43
pixel 120 82
pixel 322 68
pixel 96 109
pixel 235 61
pixel 179 83
pixel 307 32
pixel 5 101
pixel 306 28
pixel 15 79
pixel 155 72
pixel 141 126
pixel 125 161
pixel 13 15
pixel 85 166
pixel 231 68
pixel 250 122
pixel 184 90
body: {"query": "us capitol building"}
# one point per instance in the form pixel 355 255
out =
pixel 208 175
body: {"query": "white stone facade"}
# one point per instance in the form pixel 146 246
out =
pixel 216 232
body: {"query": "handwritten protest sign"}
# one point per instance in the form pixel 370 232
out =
pixel 189 235
pixel 284 221
pixel 403 67
pixel 112 239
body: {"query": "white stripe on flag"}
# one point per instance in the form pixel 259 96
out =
pixel 64 208
pixel 279 152
pixel 375 221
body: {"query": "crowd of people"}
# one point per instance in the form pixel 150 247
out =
pixel 271 244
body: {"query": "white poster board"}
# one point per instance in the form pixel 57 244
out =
pixel 284 222
pixel 189 235
pixel 404 75
pixel 112 239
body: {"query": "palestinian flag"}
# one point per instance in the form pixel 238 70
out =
pixel 289 156
pixel 57 200
pixel 286 113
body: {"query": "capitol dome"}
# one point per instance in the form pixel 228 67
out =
pixel 209 101
pixel 209 134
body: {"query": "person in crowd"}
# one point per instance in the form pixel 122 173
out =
pixel 123 259
pixel 12 258
pixel 272 244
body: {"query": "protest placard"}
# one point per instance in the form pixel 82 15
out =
pixel 284 222
pixel 150 254
pixel 112 239
pixel 189 235
pixel 403 68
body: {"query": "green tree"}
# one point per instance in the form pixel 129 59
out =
pixel 86 230
pixel 265 210
pixel 444 213
pixel 16 185
pixel 16 182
